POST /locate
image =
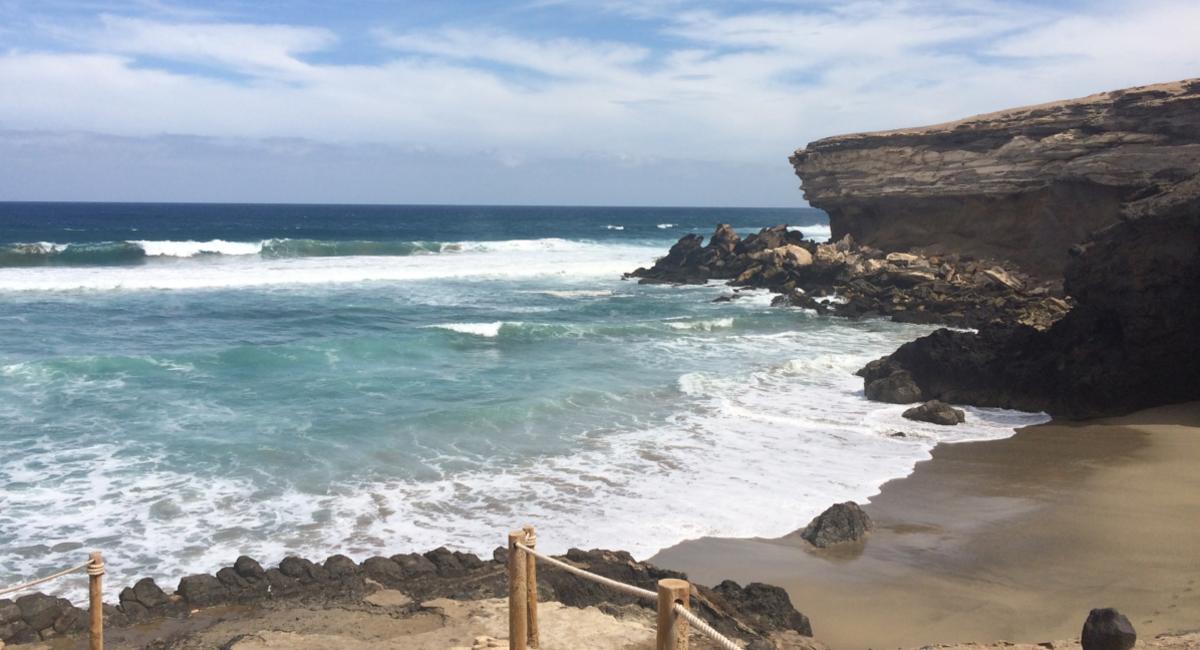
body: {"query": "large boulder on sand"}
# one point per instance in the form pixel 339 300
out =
pixel 841 522
pixel 1107 629
pixel 936 412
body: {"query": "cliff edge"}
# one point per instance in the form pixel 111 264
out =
pixel 1022 185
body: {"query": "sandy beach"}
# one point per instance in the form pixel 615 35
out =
pixel 1014 539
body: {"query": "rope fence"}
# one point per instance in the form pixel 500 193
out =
pixel 673 596
pixel 94 568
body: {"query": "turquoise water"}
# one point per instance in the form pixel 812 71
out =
pixel 398 381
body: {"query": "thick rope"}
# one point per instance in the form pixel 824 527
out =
pixel 696 621
pixel 619 586
pixel 706 629
pixel 33 583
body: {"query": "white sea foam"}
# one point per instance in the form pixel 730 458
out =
pixel 486 330
pixel 193 248
pixel 577 293
pixel 510 259
pixel 612 227
pixel 707 325
pixel 666 226
pixel 819 232
pixel 754 453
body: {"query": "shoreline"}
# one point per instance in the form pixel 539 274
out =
pixel 1010 539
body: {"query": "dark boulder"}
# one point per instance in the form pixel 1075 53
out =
pixel 936 412
pixel 383 571
pixel 249 568
pixel 202 590
pixel 303 570
pixel 281 586
pixel 415 564
pixel 340 567
pixel 9 612
pixel 1107 629
pixel 447 563
pixel 841 522
pixel 896 388
pixel 766 608
pixel 39 611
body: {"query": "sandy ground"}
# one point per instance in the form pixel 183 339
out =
pixel 1015 539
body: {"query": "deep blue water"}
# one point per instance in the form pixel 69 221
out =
pixel 194 382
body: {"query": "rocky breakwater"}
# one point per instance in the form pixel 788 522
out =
pixel 851 280
pixel 755 613
pixel 1023 184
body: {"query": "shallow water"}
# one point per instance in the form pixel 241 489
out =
pixel 186 407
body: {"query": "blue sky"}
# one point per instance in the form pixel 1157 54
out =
pixel 617 102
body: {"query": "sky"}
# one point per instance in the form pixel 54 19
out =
pixel 560 102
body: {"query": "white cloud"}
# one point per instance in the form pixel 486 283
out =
pixel 257 49
pixel 735 85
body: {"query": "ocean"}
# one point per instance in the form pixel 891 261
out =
pixel 182 384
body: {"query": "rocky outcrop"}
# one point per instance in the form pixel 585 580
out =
pixel 1023 185
pixel 841 522
pixel 846 279
pixel 1129 342
pixel 753 612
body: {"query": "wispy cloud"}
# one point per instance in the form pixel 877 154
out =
pixel 735 82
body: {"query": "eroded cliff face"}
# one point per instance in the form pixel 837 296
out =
pixel 1129 342
pixel 1022 185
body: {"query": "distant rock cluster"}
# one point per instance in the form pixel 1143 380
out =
pixel 845 279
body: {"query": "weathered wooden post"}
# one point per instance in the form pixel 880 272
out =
pixel 531 591
pixel 95 573
pixel 672 628
pixel 518 601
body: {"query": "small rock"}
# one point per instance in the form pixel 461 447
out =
pixel 936 412
pixel 1107 629
pixel 841 522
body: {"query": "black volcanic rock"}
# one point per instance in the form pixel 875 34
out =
pixel 1129 343
pixel 841 522
pixel 936 412
pixel 1107 629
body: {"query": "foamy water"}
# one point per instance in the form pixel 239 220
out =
pixel 198 405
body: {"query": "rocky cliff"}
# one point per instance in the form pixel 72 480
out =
pixel 1128 343
pixel 1022 185
pixel 1129 340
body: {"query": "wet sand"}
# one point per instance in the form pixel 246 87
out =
pixel 1013 539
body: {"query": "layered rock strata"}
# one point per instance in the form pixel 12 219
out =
pixel 752 613
pixel 1023 184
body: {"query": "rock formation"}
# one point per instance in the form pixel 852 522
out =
pixel 949 290
pixel 753 612
pixel 1128 343
pixel 936 412
pixel 1023 184
pixel 841 522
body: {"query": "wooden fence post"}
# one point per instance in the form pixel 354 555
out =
pixel 95 601
pixel 517 598
pixel 672 628
pixel 531 588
